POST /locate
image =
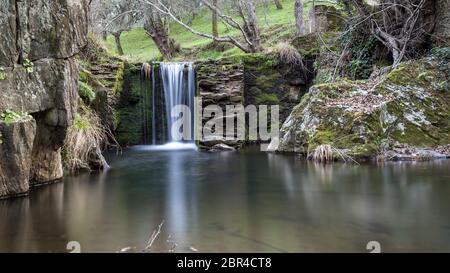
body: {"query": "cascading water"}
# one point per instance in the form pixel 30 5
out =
pixel 171 86
pixel 179 89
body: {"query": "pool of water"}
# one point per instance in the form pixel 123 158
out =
pixel 235 202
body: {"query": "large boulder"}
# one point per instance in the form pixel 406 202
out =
pixel 326 18
pixel 410 106
pixel 16 144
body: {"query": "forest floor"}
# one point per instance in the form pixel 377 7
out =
pixel 276 26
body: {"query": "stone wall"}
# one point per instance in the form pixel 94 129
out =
pixel 38 45
pixel 220 83
pixel 248 79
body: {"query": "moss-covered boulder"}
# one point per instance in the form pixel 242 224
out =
pixel 409 106
pixel 327 18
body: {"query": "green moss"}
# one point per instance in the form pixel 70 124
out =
pixel 267 99
pixel 307 45
pixel 129 129
pixel 364 151
pixel 118 85
pixel 321 137
pixel 267 80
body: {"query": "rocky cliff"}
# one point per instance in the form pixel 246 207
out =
pixel 38 77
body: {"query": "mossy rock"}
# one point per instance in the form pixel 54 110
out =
pixel 360 117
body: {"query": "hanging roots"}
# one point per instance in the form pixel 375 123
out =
pixel 84 141
pixel 146 71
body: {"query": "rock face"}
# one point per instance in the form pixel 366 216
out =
pixel 409 107
pixel 248 79
pixel 39 42
pixel 220 83
pixel 15 157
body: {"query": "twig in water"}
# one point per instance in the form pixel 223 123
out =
pixel 155 235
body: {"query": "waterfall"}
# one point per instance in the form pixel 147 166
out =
pixel 179 89
pixel 153 106
pixel 173 84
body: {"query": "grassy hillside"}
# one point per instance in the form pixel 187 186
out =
pixel 274 23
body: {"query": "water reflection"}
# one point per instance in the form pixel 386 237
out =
pixel 234 202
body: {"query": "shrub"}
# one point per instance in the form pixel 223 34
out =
pixel 9 117
pixel 28 65
pixel 86 92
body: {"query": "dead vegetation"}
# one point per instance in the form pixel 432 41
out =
pixel 288 55
pixel 84 142
pixel 326 153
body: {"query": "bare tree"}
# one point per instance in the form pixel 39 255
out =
pixel 99 19
pixel 401 25
pixel 157 27
pixel 249 28
pixel 120 19
pixel 299 21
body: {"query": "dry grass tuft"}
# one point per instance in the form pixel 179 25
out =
pixel 84 141
pixel 146 71
pixel 288 55
pixel 323 154
pixel 327 154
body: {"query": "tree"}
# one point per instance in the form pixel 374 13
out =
pixel 401 25
pixel 156 26
pixel 215 30
pixel 120 18
pixel 99 18
pixel 249 28
pixel 299 22
pixel 278 4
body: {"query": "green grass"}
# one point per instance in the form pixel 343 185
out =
pixel 139 47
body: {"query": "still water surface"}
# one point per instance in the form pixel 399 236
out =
pixel 235 202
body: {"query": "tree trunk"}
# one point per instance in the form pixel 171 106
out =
pixel 156 29
pixel 251 27
pixel 299 22
pixel 278 4
pixel 215 30
pixel 312 18
pixel 118 43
